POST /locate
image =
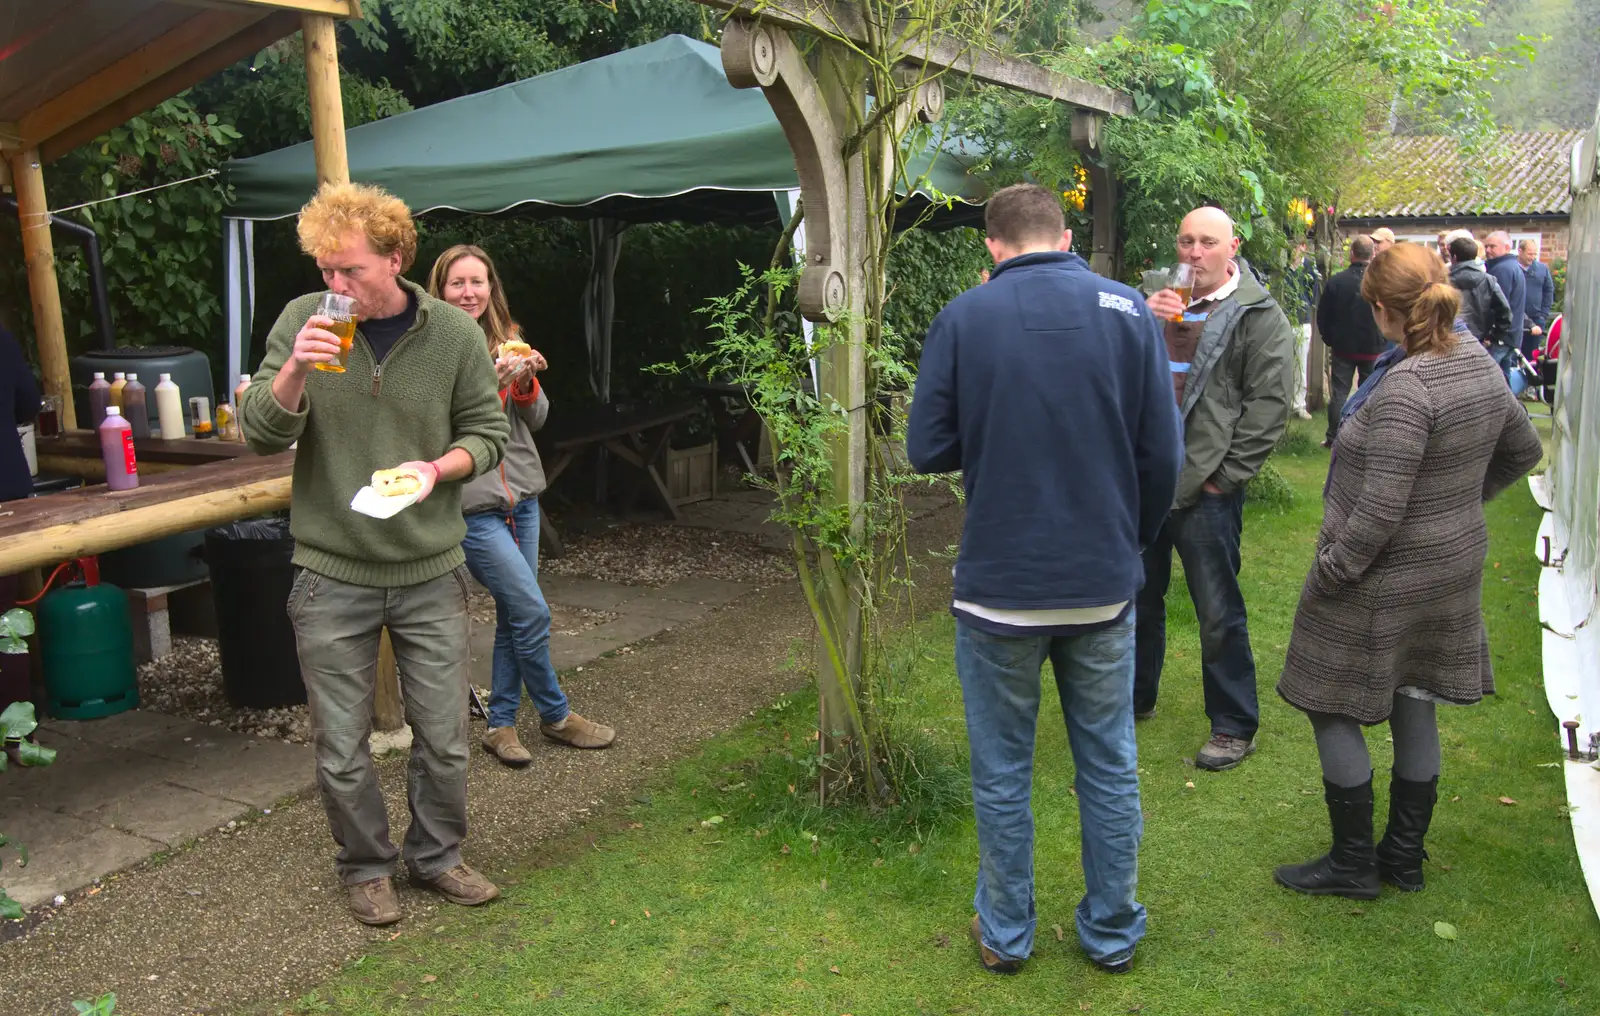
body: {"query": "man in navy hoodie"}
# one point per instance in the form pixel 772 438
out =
pixel 1048 387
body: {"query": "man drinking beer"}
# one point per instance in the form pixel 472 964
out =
pixel 419 394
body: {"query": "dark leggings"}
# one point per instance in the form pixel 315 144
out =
pixel 1343 748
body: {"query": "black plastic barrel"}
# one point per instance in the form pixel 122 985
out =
pixel 250 580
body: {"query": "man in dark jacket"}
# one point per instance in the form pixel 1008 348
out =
pixel 1349 331
pixel 1541 296
pixel 1483 304
pixel 1047 387
pixel 1231 353
pixel 1501 262
pixel 19 404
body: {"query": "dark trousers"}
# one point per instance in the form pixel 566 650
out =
pixel 1206 536
pixel 1344 372
pixel 1531 344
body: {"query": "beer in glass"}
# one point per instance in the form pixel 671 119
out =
pixel 341 310
pixel 1183 285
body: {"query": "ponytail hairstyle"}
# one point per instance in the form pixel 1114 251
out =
pixel 1412 286
pixel 496 319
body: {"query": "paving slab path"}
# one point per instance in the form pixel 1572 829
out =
pixel 246 921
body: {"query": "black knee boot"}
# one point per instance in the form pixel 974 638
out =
pixel 1350 868
pixel 1400 854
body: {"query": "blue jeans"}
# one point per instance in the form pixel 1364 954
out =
pixel 1206 536
pixel 1000 684
pixel 507 563
pixel 1504 356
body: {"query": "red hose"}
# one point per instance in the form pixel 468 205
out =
pixel 48 582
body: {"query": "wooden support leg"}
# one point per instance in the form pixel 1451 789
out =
pixel 49 330
pixel 388 711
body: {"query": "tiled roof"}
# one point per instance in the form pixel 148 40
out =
pixel 1521 173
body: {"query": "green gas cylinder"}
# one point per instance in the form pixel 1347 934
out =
pixel 86 648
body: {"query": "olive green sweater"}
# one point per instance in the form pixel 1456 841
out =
pixel 434 391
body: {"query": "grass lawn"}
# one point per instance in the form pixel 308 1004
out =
pixel 709 894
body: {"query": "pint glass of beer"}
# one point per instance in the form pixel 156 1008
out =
pixel 342 311
pixel 1183 284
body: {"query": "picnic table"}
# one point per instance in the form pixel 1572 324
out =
pixel 92 520
pixel 738 425
pixel 637 436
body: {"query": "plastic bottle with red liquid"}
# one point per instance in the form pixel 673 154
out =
pixel 116 449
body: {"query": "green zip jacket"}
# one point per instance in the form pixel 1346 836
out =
pixel 434 391
pixel 1236 400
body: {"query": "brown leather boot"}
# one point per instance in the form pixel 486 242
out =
pixel 988 957
pixel 505 745
pixel 374 901
pixel 463 886
pixel 577 732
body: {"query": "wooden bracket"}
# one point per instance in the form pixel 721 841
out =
pixel 763 56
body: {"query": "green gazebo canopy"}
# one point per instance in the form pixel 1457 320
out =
pixel 648 134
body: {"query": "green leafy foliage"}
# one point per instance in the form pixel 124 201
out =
pixel 16 625
pixel 16 723
pixel 160 249
pixel 105 1005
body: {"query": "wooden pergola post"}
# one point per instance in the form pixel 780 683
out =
pixel 49 329
pixel 333 166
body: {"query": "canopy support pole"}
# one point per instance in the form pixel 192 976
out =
pixel 333 167
pixel 327 104
pixel 49 329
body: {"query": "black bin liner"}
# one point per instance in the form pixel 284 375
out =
pixel 250 579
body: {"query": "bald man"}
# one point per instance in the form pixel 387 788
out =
pixel 1501 262
pixel 1231 351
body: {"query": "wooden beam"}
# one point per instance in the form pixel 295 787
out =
pixel 144 65
pixel 49 330
pixel 332 8
pixel 327 104
pixel 388 708
pixel 841 18
pixel 92 520
pixel 241 45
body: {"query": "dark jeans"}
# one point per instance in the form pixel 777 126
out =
pixel 337 627
pixel 1344 372
pixel 1206 536
pixel 1531 344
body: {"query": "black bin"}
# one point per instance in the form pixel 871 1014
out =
pixel 250 579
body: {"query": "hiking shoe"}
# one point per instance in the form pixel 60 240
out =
pixel 988 957
pixel 462 886
pixel 577 732
pixel 1223 751
pixel 502 742
pixel 374 901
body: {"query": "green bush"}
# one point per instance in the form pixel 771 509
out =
pixel 1269 489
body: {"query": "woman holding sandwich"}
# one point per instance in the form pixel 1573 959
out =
pixel 502 512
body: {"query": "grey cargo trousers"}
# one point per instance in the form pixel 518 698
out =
pixel 337 628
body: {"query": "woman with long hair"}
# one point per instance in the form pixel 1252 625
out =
pixel 502 511
pixel 1390 622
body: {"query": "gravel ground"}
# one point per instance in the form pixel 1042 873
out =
pixel 637 554
pixel 188 681
pixel 245 923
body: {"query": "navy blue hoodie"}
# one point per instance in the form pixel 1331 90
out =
pixel 1049 388
pixel 19 404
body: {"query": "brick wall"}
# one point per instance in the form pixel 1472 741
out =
pixel 1552 235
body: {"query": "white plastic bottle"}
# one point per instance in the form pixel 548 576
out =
pixel 169 408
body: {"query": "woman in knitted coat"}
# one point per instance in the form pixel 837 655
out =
pixel 1390 620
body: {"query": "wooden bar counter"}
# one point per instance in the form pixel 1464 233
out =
pixel 209 483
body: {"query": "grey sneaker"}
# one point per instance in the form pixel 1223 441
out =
pixel 1223 751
